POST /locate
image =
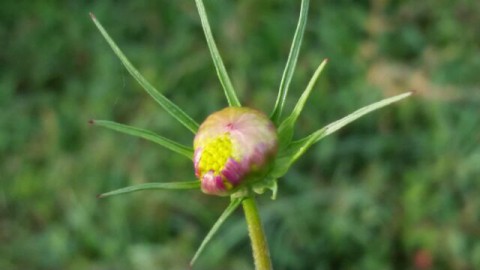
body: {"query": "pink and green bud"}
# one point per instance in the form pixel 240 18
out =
pixel 233 146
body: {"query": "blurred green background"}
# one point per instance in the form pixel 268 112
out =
pixel 399 189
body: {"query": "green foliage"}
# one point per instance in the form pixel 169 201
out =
pixel 291 63
pixel 169 106
pixel 296 149
pixel 152 186
pixel 217 58
pixel 234 203
pixel 148 135
pixel 390 188
pixel 287 127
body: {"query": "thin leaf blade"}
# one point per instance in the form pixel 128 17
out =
pixel 234 203
pixel 151 186
pixel 285 130
pixel 148 135
pixel 291 63
pixel 216 57
pixel 335 126
pixel 297 148
pixel 166 104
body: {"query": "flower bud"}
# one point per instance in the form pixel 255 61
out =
pixel 233 146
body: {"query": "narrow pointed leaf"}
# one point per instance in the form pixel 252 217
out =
pixel 149 186
pixel 291 63
pixel 285 130
pixel 234 203
pixel 169 106
pixel 297 148
pixel 332 127
pixel 302 145
pixel 148 135
pixel 217 59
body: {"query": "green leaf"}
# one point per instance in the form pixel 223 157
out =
pixel 148 186
pixel 169 106
pixel 217 59
pixel 285 130
pixel 297 148
pixel 148 135
pixel 291 63
pixel 332 127
pixel 234 203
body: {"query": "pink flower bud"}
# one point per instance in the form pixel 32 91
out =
pixel 232 146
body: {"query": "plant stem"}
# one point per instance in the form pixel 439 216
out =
pixel 261 255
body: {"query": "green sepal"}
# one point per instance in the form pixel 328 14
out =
pixel 169 106
pixel 285 131
pixel 266 184
pixel 234 203
pixel 217 59
pixel 288 155
pixel 149 186
pixel 282 164
pixel 291 63
pixel 148 135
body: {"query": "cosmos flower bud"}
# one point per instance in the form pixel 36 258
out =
pixel 233 146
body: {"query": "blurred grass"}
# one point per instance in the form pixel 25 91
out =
pixel 397 190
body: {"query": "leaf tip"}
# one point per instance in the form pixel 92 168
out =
pixel 409 94
pixel 190 264
pixel 92 16
pixel 100 196
pixel 91 122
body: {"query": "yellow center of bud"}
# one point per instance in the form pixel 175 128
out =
pixel 215 154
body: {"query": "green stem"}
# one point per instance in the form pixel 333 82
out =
pixel 261 255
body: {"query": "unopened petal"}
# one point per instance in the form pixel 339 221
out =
pixel 233 144
pixel 213 184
